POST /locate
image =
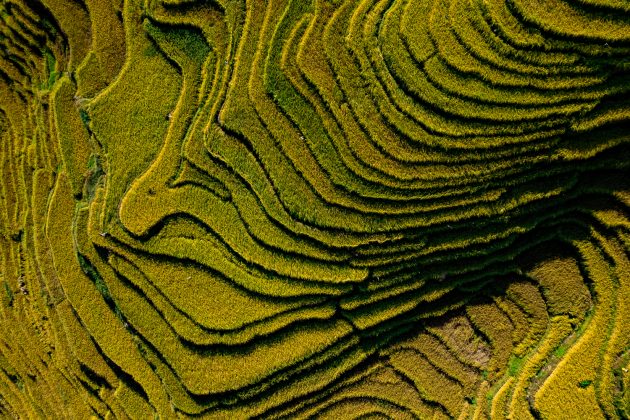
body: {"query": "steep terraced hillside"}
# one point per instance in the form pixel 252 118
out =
pixel 315 209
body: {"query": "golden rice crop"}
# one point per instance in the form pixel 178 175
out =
pixel 314 209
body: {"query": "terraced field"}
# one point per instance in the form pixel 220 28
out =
pixel 315 209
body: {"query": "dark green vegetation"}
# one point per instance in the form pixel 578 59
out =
pixel 337 209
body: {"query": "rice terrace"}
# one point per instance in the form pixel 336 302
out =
pixel 335 209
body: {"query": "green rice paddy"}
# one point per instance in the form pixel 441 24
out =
pixel 327 209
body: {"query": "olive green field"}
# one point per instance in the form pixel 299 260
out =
pixel 315 209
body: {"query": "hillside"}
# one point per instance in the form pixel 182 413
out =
pixel 315 209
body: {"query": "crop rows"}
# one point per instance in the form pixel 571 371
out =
pixel 298 209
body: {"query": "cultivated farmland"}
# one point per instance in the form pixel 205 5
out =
pixel 333 209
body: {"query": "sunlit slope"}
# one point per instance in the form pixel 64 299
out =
pixel 336 209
